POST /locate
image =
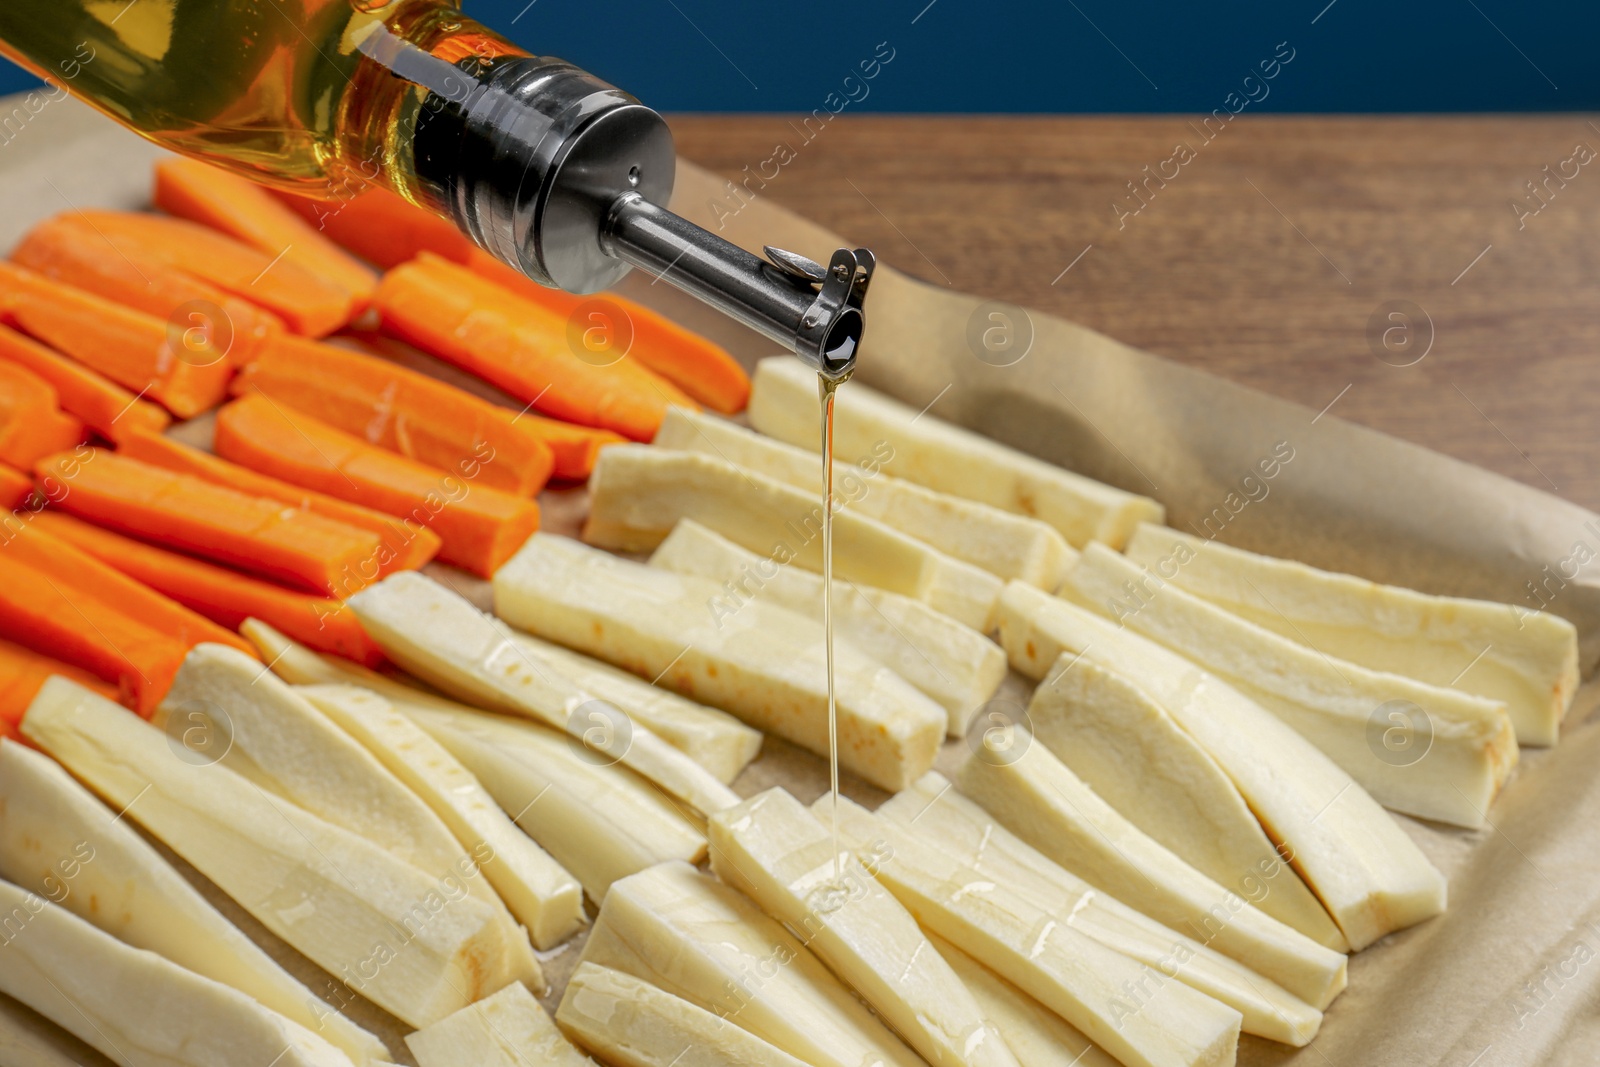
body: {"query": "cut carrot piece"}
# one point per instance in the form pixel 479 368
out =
pixel 703 370
pixel 406 545
pixel 188 513
pixel 382 227
pixel 104 406
pixel 87 633
pixel 480 527
pixel 69 250
pixel 576 448
pixel 240 208
pixel 62 602
pixel 306 303
pixel 522 348
pixel 417 416
pixel 129 347
pixel 225 597
pixel 77 575
pixel 15 488
pixel 23 671
pixel 31 425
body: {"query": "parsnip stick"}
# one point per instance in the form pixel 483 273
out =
pixel 933 809
pixel 761 663
pixel 711 945
pixel 58 840
pixel 638 493
pixel 407 941
pixel 538 891
pixel 1004 544
pixel 926 450
pixel 1125 747
pixel 438 635
pixel 1369 875
pixel 1526 659
pixel 1037 1036
pixel 509 1029
pixel 138 1008
pixel 1427 751
pixel 276 739
pixel 773 850
pixel 952 663
pixel 599 822
pixel 631 1023
pixel 1138 1014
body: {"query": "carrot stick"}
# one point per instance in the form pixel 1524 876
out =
pixel 31 426
pixel 576 448
pixel 129 347
pixel 67 250
pixel 103 405
pixel 406 545
pixel 417 416
pixel 191 514
pixel 225 597
pixel 87 633
pixel 15 488
pixel 62 602
pixel 238 207
pixel 480 527
pixel 388 230
pixel 23 671
pixel 703 370
pixel 307 303
pixel 382 227
pixel 78 574
pixel 520 347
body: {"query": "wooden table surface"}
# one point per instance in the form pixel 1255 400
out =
pixel 1265 259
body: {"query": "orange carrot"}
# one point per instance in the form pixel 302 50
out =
pixel 69 250
pixel 705 371
pixel 191 514
pixel 388 230
pixel 382 227
pixel 62 602
pixel 129 347
pixel 15 488
pixel 225 597
pixel 406 545
pixel 242 209
pixel 520 347
pixel 103 405
pixel 23 671
pixel 305 302
pixel 81 575
pixel 480 527
pixel 575 448
pixel 87 633
pixel 31 426
pixel 417 416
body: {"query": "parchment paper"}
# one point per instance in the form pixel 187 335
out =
pixel 1510 975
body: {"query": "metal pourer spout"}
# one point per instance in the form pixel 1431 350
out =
pixel 562 176
pixel 812 310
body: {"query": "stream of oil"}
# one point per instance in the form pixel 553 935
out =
pixel 825 392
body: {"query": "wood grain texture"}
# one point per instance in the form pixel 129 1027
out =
pixel 1263 260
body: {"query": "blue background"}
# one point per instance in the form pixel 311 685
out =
pixel 1068 55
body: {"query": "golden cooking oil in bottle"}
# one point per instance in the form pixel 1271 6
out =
pixel 309 95
pixel 327 97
